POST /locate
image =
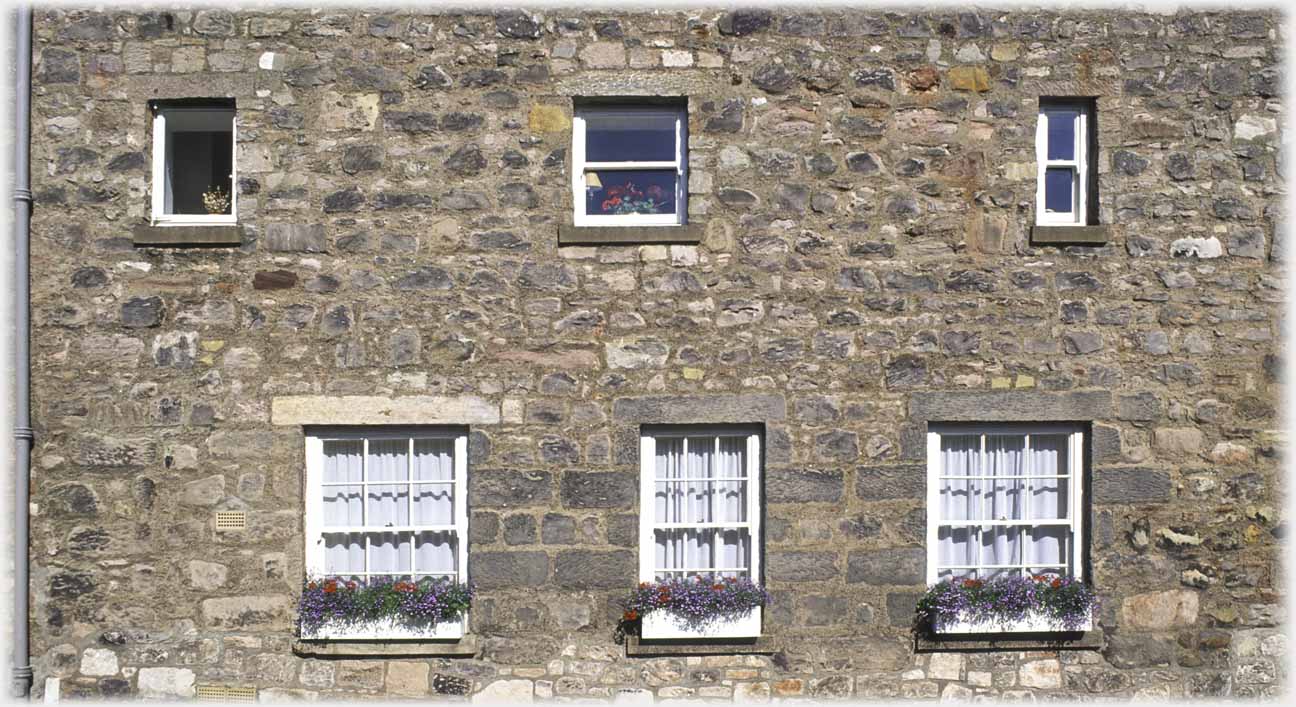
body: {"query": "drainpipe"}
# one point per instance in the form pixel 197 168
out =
pixel 22 670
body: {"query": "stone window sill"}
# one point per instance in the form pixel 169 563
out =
pixel 690 233
pixel 983 642
pixel 637 648
pixel 466 647
pixel 1070 235
pixel 148 235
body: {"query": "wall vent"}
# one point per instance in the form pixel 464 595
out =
pixel 225 693
pixel 231 520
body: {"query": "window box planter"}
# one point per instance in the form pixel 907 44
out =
pixel 384 629
pixel 1033 623
pixel 663 625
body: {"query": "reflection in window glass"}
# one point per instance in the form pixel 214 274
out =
pixel 611 192
pixel 1061 136
pixel 1059 189
pixel 641 136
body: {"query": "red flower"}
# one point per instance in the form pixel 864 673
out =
pixel 330 587
pixel 717 587
pixel 971 583
pixel 1057 582
pixel 630 615
pixel 312 585
pixel 731 580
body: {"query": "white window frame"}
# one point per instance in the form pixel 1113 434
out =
pixel 656 626
pixel 315 529
pixel 1063 109
pixel 580 166
pixel 159 215
pixel 1075 490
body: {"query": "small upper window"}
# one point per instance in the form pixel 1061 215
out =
pixel 1066 183
pixel 193 163
pixel 630 164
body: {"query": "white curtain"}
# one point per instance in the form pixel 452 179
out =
pixel 388 504
pixel 1048 546
pixel 434 461
pixel 1002 497
pixel 687 491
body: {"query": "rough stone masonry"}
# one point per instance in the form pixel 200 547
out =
pixel 864 182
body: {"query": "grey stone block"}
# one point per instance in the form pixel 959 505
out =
pixel 887 567
pixel 508 570
pixel 582 569
pixel 1130 485
pixel 801 566
pixel 509 488
pixel 879 483
pixel 582 489
pixel 802 485
pixel 295 238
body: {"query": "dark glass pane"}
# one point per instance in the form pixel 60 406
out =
pixel 1059 190
pixel 200 162
pixel 1061 136
pixel 635 191
pixel 630 137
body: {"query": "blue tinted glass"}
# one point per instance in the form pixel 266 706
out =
pixel 1059 190
pixel 609 193
pixel 1061 136
pixel 630 136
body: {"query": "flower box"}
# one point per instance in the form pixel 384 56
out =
pixel 665 625
pixel 1033 623
pixel 384 629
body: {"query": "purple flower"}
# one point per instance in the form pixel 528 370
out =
pixel 424 603
pixel 697 601
pixel 1064 601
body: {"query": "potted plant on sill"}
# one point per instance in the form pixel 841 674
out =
pixel 700 607
pixel 334 608
pixel 1043 603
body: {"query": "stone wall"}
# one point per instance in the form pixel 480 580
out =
pixel 866 185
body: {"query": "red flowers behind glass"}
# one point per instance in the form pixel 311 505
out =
pixel 630 199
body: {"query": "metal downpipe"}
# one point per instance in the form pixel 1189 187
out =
pixel 22 669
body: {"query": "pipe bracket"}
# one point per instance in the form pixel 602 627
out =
pixel 24 433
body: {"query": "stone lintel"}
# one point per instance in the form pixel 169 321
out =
pixel 377 410
pixel 466 647
pixel 693 409
pixel 173 236
pixel 1010 406
pixel 606 235
pixel 1070 235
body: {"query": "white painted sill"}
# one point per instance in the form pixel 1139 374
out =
pixel 387 629
pixel 663 625
pixel 1033 623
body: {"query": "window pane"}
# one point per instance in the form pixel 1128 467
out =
pixel 635 191
pixel 388 460
pixel 433 460
pixel 1004 457
pixel 1049 454
pixel 433 504
pixel 734 553
pixel 630 137
pixel 961 456
pixel 956 546
pixel 1059 190
pixel 387 505
pixel 342 460
pixel 1049 546
pixel 389 553
pixel 1000 545
pixel 342 506
pixel 343 554
pixel 681 549
pixel 200 161
pixel 434 554
pixel 1061 135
